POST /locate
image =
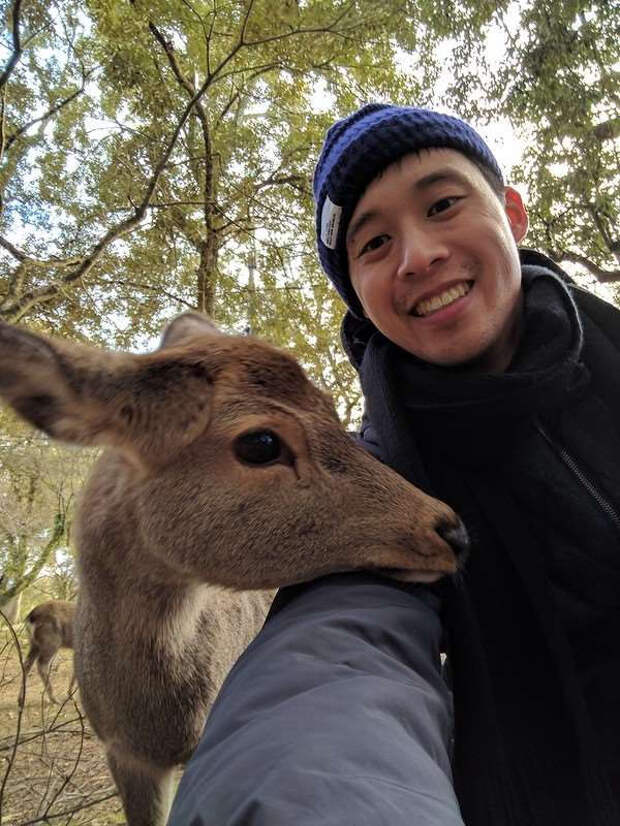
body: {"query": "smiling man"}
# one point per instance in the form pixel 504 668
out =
pixel 492 382
pixel 432 257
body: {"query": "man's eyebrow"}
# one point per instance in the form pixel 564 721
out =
pixel 438 176
pixel 359 222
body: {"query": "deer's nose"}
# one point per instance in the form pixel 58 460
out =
pixel 455 534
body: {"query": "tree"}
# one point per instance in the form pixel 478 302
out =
pixel 204 110
pixel 172 141
pixel 573 162
pixel 38 481
pixel 557 82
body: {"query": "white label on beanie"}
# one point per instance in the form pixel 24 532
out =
pixel 330 221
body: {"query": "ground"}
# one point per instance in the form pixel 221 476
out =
pixel 52 768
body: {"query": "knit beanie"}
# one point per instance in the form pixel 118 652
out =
pixel 356 150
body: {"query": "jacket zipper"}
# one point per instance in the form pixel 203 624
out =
pixel 607 508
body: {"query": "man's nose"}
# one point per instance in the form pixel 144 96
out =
pixel 420 251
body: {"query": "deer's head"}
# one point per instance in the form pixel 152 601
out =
pixel 236 465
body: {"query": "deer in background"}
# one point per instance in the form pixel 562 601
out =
pixel 224 469
pixel 50 627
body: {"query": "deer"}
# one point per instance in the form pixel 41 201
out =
pixel 50 628
pixel 225 474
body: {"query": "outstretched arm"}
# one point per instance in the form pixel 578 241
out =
pixel 337 714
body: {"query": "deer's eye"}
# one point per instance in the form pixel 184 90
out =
pixel 261 447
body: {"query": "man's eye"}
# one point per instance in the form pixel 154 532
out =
pixel 374 244
pixel 442 205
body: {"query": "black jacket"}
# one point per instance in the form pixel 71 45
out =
pixel 530 460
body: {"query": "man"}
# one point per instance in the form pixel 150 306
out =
pixel 491 381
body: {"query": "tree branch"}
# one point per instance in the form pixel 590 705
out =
pixel 57 534
pixel 68 777
pixel 17 46
pixel 39 296
pixel 10 761
pixel 80 807
pixel 2 127
pixel 244 26
pixel 50 113
pixel 256 70
pixel 208 36
pixel 20 255
pixel 169 52
pixel 608 130
pixel 602 275
pixel 296 181
pixel 189 88
pixel 330 29
pixel 151 288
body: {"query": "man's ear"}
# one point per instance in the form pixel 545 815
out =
pixel 516 213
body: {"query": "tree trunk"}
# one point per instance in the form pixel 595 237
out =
pixel 206 274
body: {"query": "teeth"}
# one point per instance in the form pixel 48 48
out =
pixel 443 299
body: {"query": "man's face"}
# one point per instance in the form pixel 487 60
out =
pixel 433 259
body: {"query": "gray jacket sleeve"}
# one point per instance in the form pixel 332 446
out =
pixel 336 715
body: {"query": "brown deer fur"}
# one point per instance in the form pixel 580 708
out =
pixel 171 514
pixel 50 627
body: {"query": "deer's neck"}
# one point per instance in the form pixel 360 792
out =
pixel 117 572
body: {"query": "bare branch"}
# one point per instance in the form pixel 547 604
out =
pixel 329 29
pixel 35 34
pixel 67 778
pixel 232 100
pixel 256 70
pixel 294 32
pixel 11 757
pixel 188 5
pixel 78 808
pixel 240 43
pixel 600 225
pixel 168 204
pixel 35 734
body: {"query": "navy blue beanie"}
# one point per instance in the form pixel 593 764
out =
pixel 356 150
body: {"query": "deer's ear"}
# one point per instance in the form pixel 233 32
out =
pixel 185 327
pixel 31 378
pixel 148 406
